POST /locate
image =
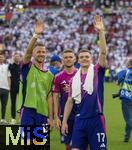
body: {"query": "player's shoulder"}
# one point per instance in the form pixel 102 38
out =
pixel 50 73
pixel 26 65
pixel 99 67
pixel 60 74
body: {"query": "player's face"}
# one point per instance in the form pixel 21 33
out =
pixel 1 59
pixel 85 59
pixel 68 59
pixel 39 54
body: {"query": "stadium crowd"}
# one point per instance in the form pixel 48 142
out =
pixel 70 28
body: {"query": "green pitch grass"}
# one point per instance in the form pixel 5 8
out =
pixel 114 123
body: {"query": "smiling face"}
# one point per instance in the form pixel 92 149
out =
pixel 85 59
pixel 39 54
pixel 68 59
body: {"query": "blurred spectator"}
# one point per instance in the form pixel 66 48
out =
pixel 55 64
pixel 4 86
pixel 15 79
pixel 68 28
pixel 107 74
pixel 125 80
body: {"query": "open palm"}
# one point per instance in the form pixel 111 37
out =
pixel 98 23
pixel 39 27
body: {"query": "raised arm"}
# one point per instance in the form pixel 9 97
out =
pixel 38 31
pixel 98 24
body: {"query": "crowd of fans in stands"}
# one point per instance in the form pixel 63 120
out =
pixel 70 28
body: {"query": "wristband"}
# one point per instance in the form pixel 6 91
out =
pixel 35 35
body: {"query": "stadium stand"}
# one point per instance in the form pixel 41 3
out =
pixel 67 27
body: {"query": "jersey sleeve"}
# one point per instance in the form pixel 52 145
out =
pixel 24 68
pixel 100 69
pixel 56 84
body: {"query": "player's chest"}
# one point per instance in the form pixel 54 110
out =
pixel 65 84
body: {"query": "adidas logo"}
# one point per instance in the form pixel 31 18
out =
pixel 63 82
pixel 102 145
